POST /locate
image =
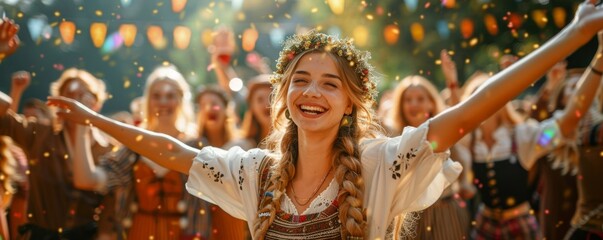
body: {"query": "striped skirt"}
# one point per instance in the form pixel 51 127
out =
pixel 448 218
pixel 524 227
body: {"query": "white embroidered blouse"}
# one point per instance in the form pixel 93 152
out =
pixel 532 141
pixel 401 175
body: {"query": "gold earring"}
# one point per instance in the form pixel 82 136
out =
pixel 346 121
pixel 287 114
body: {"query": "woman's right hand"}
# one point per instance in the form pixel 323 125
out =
pixel 72 110
pixel 9 41
pixel 20 81
pixel 588 19
pixel 223 47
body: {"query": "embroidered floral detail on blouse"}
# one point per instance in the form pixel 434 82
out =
pixel 217 175
pixel 241 178
pixel 396 167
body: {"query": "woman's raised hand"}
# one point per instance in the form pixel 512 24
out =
pixel 9 41
pixel 588 19
pixel 72 110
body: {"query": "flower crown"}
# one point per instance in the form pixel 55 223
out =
pixel 358 60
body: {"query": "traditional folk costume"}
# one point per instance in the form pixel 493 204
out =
pixel 587 222
pixel 216 223
pixel 150 198
pixel 501 177
pixel 401 175
pixel 55 207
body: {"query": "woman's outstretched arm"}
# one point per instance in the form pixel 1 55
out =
pixel 448 127
pixel 160 148
pixel 582 98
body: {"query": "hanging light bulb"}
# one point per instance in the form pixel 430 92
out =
pixel 337 6
pixel 539 17
pixel 449 3
pixel 155 36
pixel 36 24
pixel 467 28
pixel 559 16
pixel 491 25
pixel 182 37
pixel 128 34
pixel 207 37
pixel 249 38
pixel 98 32
pixel 67 29
pixel 178 5
pixel 361 34
pixel 417 32
pixel 391 34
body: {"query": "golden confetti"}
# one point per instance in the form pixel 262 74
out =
pixel 536 45
pixel 98 13
pixel 370 17
pixel 314 10
pixel 141 69
pixel 60 230
pixel 139 138
pixel 438 61
pixel 20 15
pixel 287 16
pixel 155 11
pixel 127 83
pixel 80 8
pixel 57 14
pixel 467 60
pixel 473 42
pixel 66 156
pixel 46 154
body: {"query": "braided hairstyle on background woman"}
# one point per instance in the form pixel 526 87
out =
pixel 346 153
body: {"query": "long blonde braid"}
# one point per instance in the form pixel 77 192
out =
pixel 282 173
pixel 352 213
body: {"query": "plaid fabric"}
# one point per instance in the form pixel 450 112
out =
pixel 520 228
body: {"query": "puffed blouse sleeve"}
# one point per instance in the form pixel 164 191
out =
pixel 402 175
pixel 535 139
pixel 227 178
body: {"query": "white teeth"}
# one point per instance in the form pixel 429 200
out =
pixel 312 108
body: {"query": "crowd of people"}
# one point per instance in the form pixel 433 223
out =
pixel 312 156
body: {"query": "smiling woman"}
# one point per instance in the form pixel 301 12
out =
pixel 373 178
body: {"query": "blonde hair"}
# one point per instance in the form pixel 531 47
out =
pixel 96 86
pixel 184 111
pixel 9 165
pixel 346 156
pixel 395 119
pixel 251 127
